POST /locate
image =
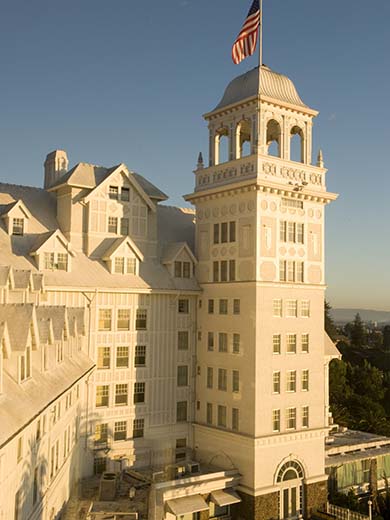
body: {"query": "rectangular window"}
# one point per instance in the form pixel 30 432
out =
pixel 283 271
pixel 291 227
pixel 121 392
pixel 211 306
pixel 102 394
pixel 186 269
pixel 182 375
pixel 125 194
pixel 283 231
pixel 101 433
pixel 305 343
pixel 103 358
pixel 300 233
pixel 216 233
pixel 291 343
pixel 222 416
pixel 305 309
pixel 232 231
pixel 232 270
pixel 291 418
pixel 290 271
pixel 140 356
pixel 18 226
pixel 139 393
pixel 276 420
pixel 222 379
pixel 292 203
pixel 183 306
pixel 141 319
pixel 276 382
pixel 120 431
pixel 104 319
pixel 48 259
pixel 224 232
pixel 277 308
pixel 131 265
pixel 210 341
pixel 124 226
pixel 300 272
pixel 181 411
pixel 292 308
pixel 276 344
pixel 123 322
pixel 305 380
pixel 235 419
pixel 62 261
pixel 236 343
pixel 209 413
pixel 119 264
pixel 112 225
pixel 182 340
pixel 236 306
pixel 224 271
pixel 113 192
pixel 223 306
pixel 177 267
pixel 122 357
pixel 291 383
pixel 235 381
pixel 215 271
pixel 305 416
pixel 210 377
pixel 138 428
pixel 222 342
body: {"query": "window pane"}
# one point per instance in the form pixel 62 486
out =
pixel 182 375
pixel 112 225
pixel 119 265
pixel 123 319
pixel 138 428
pixel 183 306
pixel 178 267
pixel 232 231
pixel 223 306
pixel 18 226
pixel 122 357
pixel 216 233
pixel 182 340
pixel 236 343
pixel 124 226
pixel 103 358
pixel 104 319
pixel 140 356
pixel 120 431
pixel 222 342
pixel 113 192
pixel 181 411
pixel 141 319
pixel 139 393
pixel 121 394
pixel 125 194
pixel 224 232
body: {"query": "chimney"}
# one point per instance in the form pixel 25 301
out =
pixel 56 165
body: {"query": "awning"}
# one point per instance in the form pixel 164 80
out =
pixel 185 505
pixel 225 497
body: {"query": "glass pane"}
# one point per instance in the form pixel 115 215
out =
pixel 285 503
pixel 294 501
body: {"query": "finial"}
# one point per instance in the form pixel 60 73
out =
pixel 320 159
pixel 200 164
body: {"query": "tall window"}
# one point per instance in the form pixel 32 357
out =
pixel 291 343
pixel 292 308
pixel 211 306
pixel 101 433
pixel 141 319
pixel 120 431
pixel 305 380
pixel 276 382
pixel 276 420
pixel 183 306
pixel 222 416
pixel 235 419
pixel 236 306
pixel 305 343
pixel 103 357
pixel 131 265
pixel 291 232
pixel 122 357
pixel 139 393
pixel 138 428
pixel 277 308
pixel 121 392
pixel 102 395
pixel 182 340
pixel 291 271
pixel 305 416
pixel 119 265
pixel 222 379
pixel 62 261
pixel 291 418
pixel 123 322
pixel 225 232
pixel 140 356
pixel 236 381
pixel 112 226
pixel 210 376
pixel 223 306
pixel 305 309
pixel 181 411
pixel 209 413
pixel 125 194
pixel 18 226
pixel 276 344
pixel 222 342
pixel 104 319
pixel 182 375
pixel 49 262
pixel 291 381
pixel 236 343
pixel 210 341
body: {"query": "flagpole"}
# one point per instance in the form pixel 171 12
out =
pixel 259 136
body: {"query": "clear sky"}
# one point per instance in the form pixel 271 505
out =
pixel 128 80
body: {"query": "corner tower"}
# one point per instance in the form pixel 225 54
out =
pixel 262 391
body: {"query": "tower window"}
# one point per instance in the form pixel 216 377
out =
pixel 112 225
pixel 18 226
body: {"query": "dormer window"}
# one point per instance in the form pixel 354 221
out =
pixel 124 226
pixel 25 365
pixel 113 192
pixel 125 194
pixel 112 225
pixel 56 261
pixel 182 269
pixel 125 265
pixel 119 265
pixel 18 226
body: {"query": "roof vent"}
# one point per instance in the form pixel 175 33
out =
pixel 56 165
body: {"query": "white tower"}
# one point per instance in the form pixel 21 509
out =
pixel 262 377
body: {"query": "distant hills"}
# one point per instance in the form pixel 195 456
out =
pixel 346 315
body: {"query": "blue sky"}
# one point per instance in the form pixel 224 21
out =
pixel 128 80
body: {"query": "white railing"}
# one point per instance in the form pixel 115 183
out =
pixel 344 514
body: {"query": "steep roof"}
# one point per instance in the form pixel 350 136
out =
pixel 19 318
pixel 57 315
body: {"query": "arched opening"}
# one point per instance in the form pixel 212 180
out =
pixel 221 153
pixel 273 138
pixel 296 144
pixel 243 139
pixel 290 479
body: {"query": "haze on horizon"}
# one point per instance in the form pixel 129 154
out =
pixel 129 83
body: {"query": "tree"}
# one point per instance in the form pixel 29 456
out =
pixel 358 334
pixel 330 327
pixel 386 337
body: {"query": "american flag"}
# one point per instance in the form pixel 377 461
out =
pixel 246 41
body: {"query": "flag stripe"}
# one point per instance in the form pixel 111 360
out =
pixel 245 44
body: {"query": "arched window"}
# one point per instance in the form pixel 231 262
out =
pixel 221 146
pixel 290 470
pixel 273 138
pixel 290 480
pixel 296 144
pixel 243 139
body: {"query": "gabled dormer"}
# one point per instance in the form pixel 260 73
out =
pixel 123 257
pixel 16 217
pixel 179 260
pixel 53 252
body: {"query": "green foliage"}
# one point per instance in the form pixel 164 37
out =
pixel 386 338
pixel 330 327
pixel 358 334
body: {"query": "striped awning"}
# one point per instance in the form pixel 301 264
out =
pixel 225 497
pixel 186 505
